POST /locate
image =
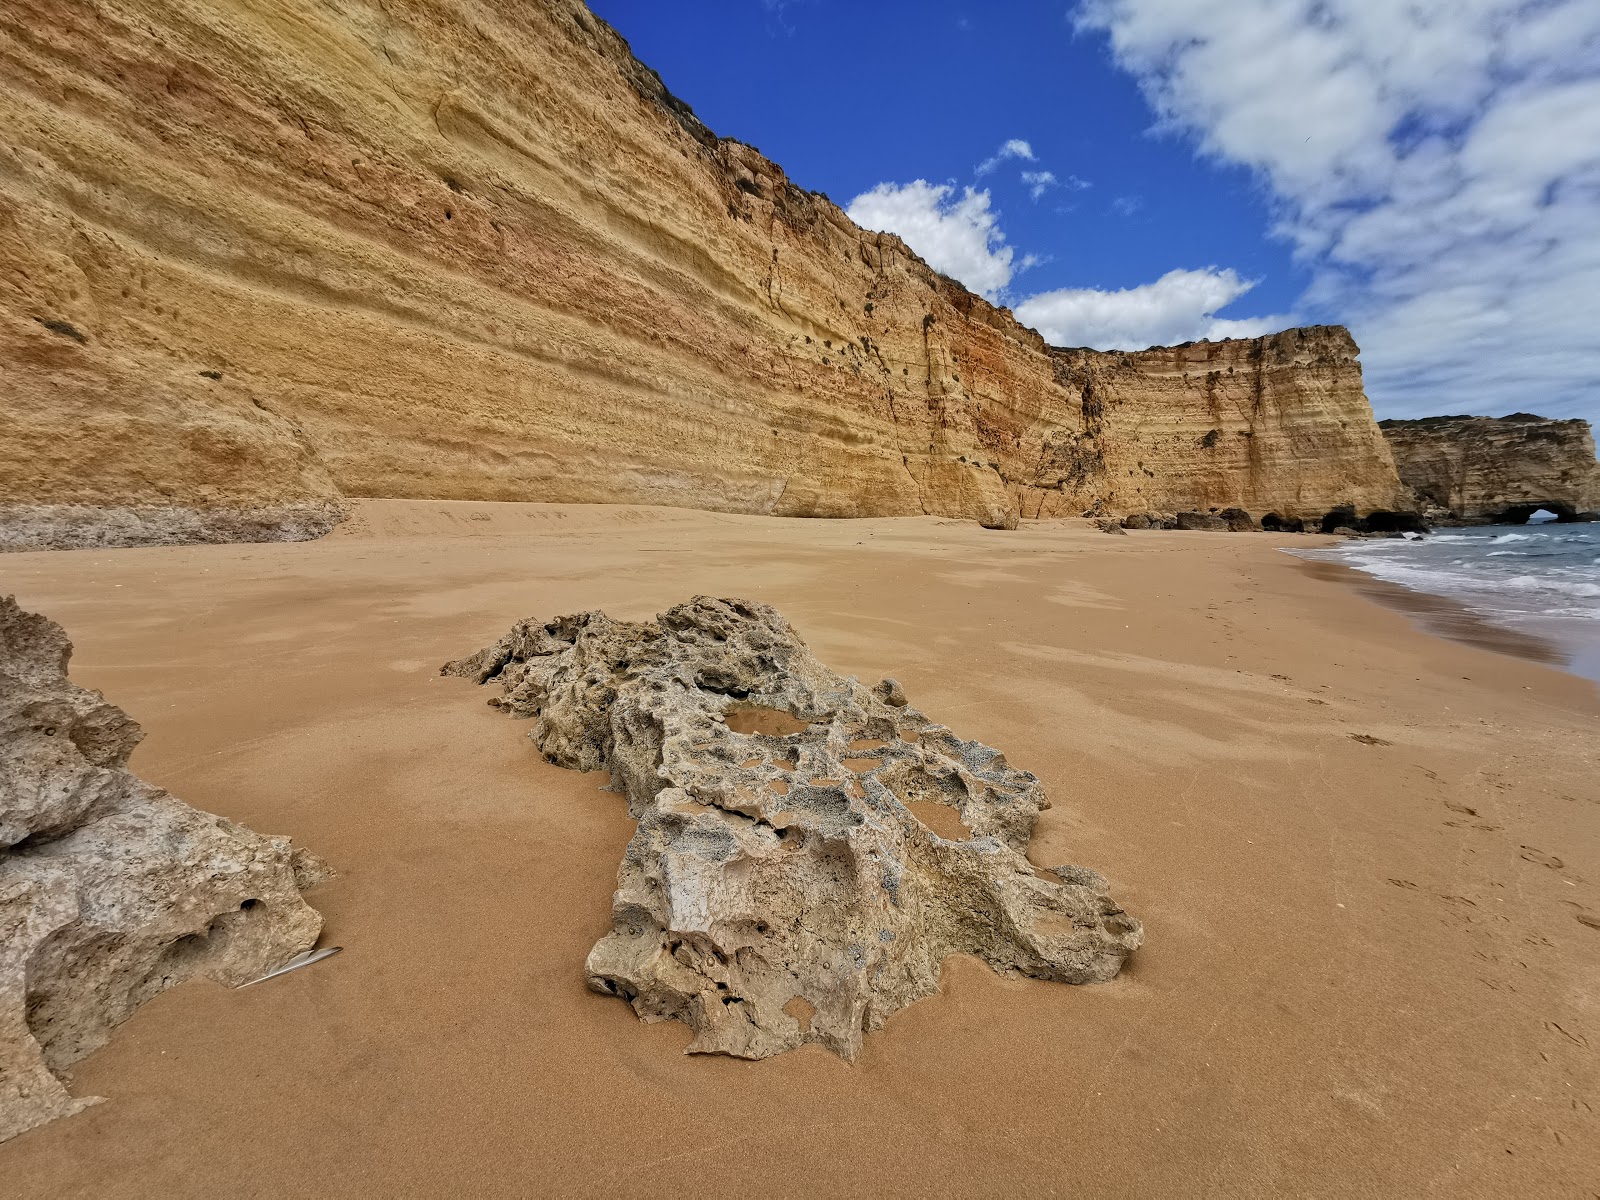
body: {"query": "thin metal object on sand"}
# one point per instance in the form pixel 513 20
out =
pixel 298 961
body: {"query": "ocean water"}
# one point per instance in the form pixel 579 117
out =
pixel 1541 580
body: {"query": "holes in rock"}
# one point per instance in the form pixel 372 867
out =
pixel 773 722
pixel 249 904
pixel 1056 924
pixel 867 744
pixel 910 735
pixel 802 1010
pixel 940 818
pixel 1119 925
pixel 619 989
pixel 862 764
pixel 723 685
pixel 781 786
pixel 752 762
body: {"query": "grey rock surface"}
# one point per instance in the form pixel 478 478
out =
pixel 26 527
pixel 1202 521
pixel 111 890
pixel 809 849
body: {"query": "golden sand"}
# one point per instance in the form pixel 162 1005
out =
pixel 1362 854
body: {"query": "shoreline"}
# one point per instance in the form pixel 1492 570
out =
pixel 1439 615
pixel 1568 644
pixel 1362 854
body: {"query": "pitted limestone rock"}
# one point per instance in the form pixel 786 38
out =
pixel 809 849
pixel 111 890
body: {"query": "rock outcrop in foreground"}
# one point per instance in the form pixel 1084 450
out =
pixel 1499 469
pixel 257 263
pixel 111 890
pixel 809 850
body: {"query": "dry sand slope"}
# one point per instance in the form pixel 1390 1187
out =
pixel 1370 964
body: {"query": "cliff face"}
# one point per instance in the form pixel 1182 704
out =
pixel 1274 423
pixel 1506 467
pixel 258 256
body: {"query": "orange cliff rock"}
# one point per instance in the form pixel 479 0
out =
pixel 257 256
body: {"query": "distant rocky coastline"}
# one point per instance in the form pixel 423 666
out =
pixel 1497 470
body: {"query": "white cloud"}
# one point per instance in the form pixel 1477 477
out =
pixel 1039 182
pixel 958 235
pixel 1436 163
pixel 1178 307
pixel 1013 148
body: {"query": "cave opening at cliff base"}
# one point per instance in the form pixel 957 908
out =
pixel 1537 513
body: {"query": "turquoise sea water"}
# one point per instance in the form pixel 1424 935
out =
pixel 1540 579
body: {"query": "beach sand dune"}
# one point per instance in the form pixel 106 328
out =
pixel 1367 860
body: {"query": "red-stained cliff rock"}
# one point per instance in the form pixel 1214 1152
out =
pixel 254 259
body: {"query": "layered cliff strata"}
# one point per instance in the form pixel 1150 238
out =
pixel 262 257
pixel 809 850
pixel 111 890
pixel 1497 468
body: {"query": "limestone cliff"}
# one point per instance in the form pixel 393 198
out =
pixel 1481 468
pixel 257 255
pixel 1277 423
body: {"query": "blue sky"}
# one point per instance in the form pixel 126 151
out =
pixel 1126 172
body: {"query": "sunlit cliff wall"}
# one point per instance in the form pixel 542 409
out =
pixel 264 253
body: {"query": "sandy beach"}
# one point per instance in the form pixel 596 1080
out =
pixel 1366 858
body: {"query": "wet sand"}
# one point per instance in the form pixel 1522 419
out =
pixel 1441 615
pixel 1369 968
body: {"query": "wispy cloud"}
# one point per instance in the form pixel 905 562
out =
pixel 1039 182
pixel 1436 164
pixel 1014 148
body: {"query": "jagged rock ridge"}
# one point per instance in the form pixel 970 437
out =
pixel 1497 468
pixel 111 890
pixel 809 849
pixel 384 250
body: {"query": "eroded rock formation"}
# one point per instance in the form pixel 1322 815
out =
pixel 111 890
pixel 1497 468
pixel 252 263
pixel 809 849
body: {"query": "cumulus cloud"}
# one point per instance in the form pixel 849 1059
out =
pixel 1436 163
pixel 1013 148
pixel 1178 307
pixel 957 234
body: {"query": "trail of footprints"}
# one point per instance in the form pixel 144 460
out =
pixel 1468 817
